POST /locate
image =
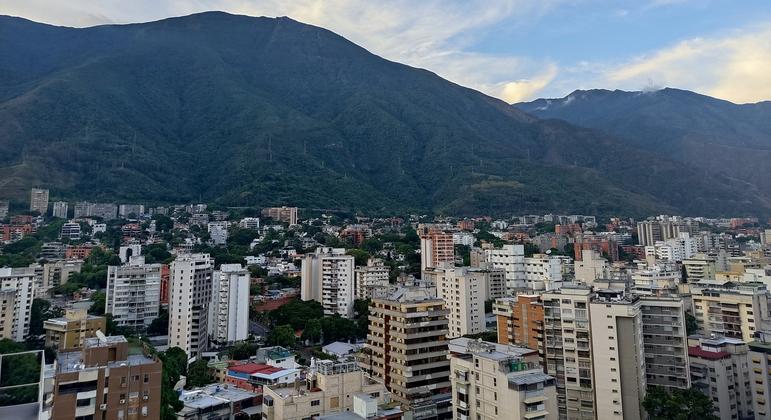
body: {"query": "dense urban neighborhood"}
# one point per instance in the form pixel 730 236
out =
pixel 197 311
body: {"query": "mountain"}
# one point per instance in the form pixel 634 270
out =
pixel 261 111
pixel 722 137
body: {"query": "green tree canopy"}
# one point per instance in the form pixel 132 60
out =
pixel 680 404
pixel 283 336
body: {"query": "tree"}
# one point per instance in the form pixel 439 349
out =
pixel 691 326
pixel 360 256
pixel 18 370
pixel 100 302
pixel 41 311
pixel 680 404
pixel 282 336
pixel 296 313
pixel 312 331
pixel 242 351
pixel 160 325
pixel 198 374
pixel 174 364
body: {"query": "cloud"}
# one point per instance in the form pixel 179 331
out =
pixel 734 67
pixel 434 34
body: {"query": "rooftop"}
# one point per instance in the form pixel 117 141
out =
pixel 697 351
pixel 492 351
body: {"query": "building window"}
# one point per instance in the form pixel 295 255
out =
pixel 315 403
pixel 147 378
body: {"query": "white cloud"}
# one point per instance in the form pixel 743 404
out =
pixel 735 67
pixel 432 34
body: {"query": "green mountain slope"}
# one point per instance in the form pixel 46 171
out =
pixel 717 135
pixel 259 111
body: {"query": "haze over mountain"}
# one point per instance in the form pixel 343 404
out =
pixel 717 135
pixel 262 111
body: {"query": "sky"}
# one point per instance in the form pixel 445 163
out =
pixel 516 50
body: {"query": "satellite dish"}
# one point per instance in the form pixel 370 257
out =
pixel 548 252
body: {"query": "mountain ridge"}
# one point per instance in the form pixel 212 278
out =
pixel 267 111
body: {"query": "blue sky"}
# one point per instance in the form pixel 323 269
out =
pixel 513 49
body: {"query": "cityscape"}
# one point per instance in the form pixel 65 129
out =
pixel 198 311
pixel 390 210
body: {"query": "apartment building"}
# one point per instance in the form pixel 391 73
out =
pixel 229 317
pixel 252 223
pixel 70 332
pixel 133 295
pixel 38 200
pixel 665 342
pixel 218 231
pixel 543 272
pixel 107 380
pixel 4 205
pixel 720 370
pixel 328 277
pixel 329 387
pixel 511 259
pixel 374 275
pixel 733 310
pixel 55 274
pixel 437 248
pixel 406 349
pixel 18 291
pixel 464 298
pixel 700 267
pixel 281 214
pixel 650 232
pixel 495 381
pixel 617 355
pixel 520 321
pixel 659 279
pixel 190 297
pixel 567 336
pixel 759 356
pixel 592 267
pixel 216 401
pixel 60 209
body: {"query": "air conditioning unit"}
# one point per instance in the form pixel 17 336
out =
pixel 145 397
pixel 123 401
pixel 103 407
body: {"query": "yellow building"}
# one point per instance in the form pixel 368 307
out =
pixel 70 331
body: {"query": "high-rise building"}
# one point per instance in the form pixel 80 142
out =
pixel 649 232
pixel 729 309
pixel 107 380
pixel 666 342
pixel 281 214
pixel 133 293
pixel 218 232
pixel 659 279
pixel 591 267
pixel 38 200
pixel 69 332
pixel 18 291
pixel 71 231
pixel 407 349
pixel 252 223
pixel 510 258
pixel 372 276
pixel 543 272
pixel 437 249
pixel 229 316
pixel 464 297
pixel 520 322
pixel 190 297
pixel 720 370
pixel 60 209
pixel 617 355
pixel 497 381
pixel 329 387
pixel 135 210
pixel 328 277
pixel 569 359
pixel 759 357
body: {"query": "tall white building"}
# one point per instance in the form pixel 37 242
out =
pixel 218 232
pixel 250 223
pixel 591 268
pixel 463 296
pixel 38 200
pixel 617 355
pixel 60 209
pixel 543 272
pixel 17 290
pixel 510 258
pixel 133 294
pixel 190 278
pixel 328 278
pixel 229 310
pixel 374 275
pixel 71 231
